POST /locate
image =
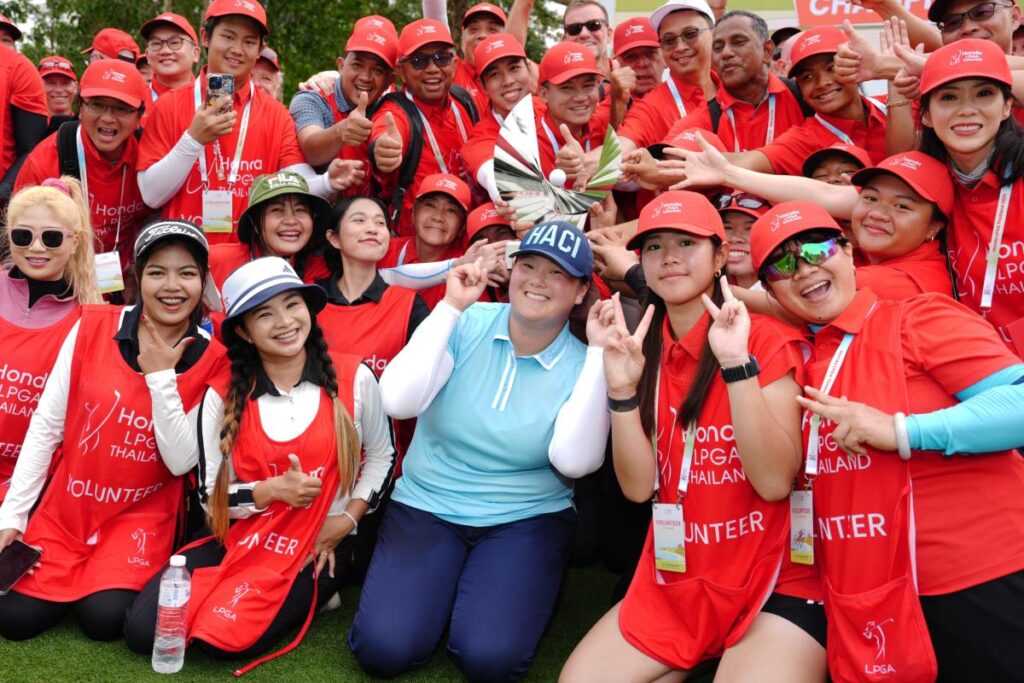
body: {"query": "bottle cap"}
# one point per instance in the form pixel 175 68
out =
pixel 177 560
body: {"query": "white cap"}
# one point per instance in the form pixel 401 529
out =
pixel 699 6
pixel 177 560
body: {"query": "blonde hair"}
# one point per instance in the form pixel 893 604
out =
pixel 244 361
pixel 72 211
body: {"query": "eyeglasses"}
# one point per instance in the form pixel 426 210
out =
pixel 812 253
pixel 53 64
pixel 419 61
pixel 51 238
pixel 740 199
pixel 174 43
pixel 594 25
pixel 121 111
pixel 688 36
pixel 985 10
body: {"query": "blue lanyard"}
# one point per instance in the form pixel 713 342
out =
pixel 675 95
pixel 554 140
pixel 769 136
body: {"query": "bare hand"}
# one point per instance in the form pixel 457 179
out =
pixel 570 157
pixel 9 536
pixel 210 124
pixel 623 352
pixel 387 150
pixel 729 333
pixel 623 80
pixel 857 425
pixel 345 173
pixel 707 168
pixel 603 214
pixel 356 129
pixel 323 81
pixel 465 285
pixel 332 533
pixel 856 60
pixel 612 261
pixel 154 353
pixel 295 487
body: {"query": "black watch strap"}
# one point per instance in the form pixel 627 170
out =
pixel 738 373
pixel 625 405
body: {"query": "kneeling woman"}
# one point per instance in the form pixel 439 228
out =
pixel 122 396
pixel 715 435
pixel 281 446
pixel 510 406
pixel 920 551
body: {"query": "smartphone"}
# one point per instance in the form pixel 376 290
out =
pixel 15 561
pixel 220 91
pixel 511 247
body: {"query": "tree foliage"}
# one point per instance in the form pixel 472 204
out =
pixel 308 35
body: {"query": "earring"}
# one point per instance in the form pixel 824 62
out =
pixel 718 274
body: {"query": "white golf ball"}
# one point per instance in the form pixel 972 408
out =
pixel 557 177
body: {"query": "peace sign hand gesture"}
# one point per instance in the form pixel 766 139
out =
pixel 623 352
pixel 154 353
pixel 857 425
pixel 729 334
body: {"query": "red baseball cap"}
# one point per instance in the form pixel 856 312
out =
pixel 860 156
pixel 678 210
pixel 55 64
pixel 422 32
pixel 484 216
pixel 375 40
pixel 967 58
pixel 635 32
pixel 10 26
pixel 375 21
pixel 782 222
pixel 926 175
pixel 114 78
pixel 485 8
pixel 245 8
pixel 112 42
pixel 448 184
pixel 687 140
pixel 494 47
pixel 567 60
pixel 822 40
pixel 171 19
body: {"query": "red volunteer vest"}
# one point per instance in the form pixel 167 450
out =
pixel 233 603
pixel 375 332
pixel 863 509
pixel 27 358
pixel 109 516
pixel 734 538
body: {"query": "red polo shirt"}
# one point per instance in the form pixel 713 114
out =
pixel 444 124
pixel 649 120
pixel 789 151
pixel 969 234
pixel 922 270
pixel 752 121
pixel 480 147
pixel 467 77
pixel 107 202
pixel 21 87
pixel 270 145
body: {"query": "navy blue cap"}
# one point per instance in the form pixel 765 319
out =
pixel 563 243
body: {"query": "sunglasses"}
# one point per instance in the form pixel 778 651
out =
pixel 594 25
pixel 23 237
pixel 419 60
pixel 688 36
pixel 811 253
pixel 740 199
pixel 985 10
pixel 52 64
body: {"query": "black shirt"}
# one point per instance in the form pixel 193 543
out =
pixel 128 342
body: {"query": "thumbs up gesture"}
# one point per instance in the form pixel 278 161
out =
pixel 387 149
pixel 295 487
pixel 623 80
pixel 570 157
pixel 355 130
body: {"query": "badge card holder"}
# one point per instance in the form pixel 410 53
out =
pixel 109 276
pixel 108 272
pixel 217 210
pixel 669 525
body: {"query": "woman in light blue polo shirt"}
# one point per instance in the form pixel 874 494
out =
pixel 511 408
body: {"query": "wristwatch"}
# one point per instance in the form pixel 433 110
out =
pixel 624 405
pixel 738 373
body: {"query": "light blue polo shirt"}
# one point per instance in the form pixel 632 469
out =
pixel 479 455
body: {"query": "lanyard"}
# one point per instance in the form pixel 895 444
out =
pixel 554 140
pixel 992 262
pixel 430 131
pixel 838 357
pixel 239 145
pixel 152 93
pixel 840 134
pixel 771 124
pixel 690 440
pixel 675 95
pixel 498 117
pixel 85 184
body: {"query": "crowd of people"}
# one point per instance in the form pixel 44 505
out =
pixel 775 381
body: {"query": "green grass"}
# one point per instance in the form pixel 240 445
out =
pixel 65 654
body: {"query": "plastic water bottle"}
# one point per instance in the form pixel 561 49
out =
pixel 169 644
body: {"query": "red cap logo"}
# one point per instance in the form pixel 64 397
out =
pixel 246 5
pixel 426 29
pixel 573 58
pixel 447 184
pixel 781 219
pixel 494 45
pixel 376 38
pixel 634 29
pixel 115 75
pixel 966 57
pixel 667 208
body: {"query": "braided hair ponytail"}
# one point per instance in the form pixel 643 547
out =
pixel 344 429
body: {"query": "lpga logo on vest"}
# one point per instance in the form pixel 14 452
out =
pixel 140 536
pixel 873 632
pixel 91 434
pixel 228 610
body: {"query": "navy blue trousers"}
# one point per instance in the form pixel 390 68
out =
pixel 495 586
